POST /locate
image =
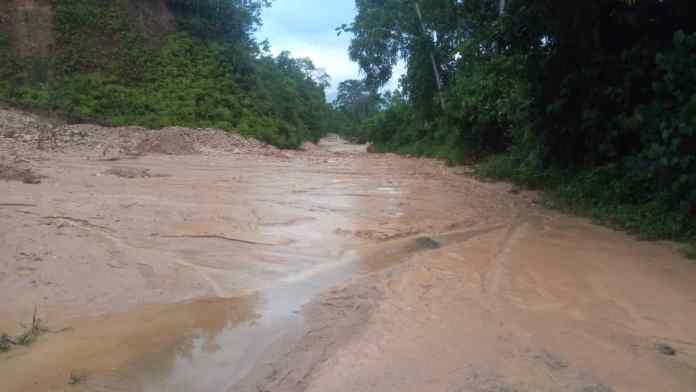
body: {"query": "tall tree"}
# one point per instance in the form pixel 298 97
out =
pixel 357 100
pixel 422 34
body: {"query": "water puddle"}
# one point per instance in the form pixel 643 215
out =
pixel 204 345
pixel 266 247
pixel 217 361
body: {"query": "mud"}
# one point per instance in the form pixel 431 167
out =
pixel 15 172
pixel 328 269
pixel 170 143
pixel 131 172
pixel 548 303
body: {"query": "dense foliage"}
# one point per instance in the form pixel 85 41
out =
pixel 595 101
pixel 355 103
pixel 206 71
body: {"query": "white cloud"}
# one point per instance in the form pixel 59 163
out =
pixel 306 28
pixel 333 59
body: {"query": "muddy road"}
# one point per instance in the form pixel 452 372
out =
pixel 326 270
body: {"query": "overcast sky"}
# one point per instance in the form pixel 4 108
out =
pixel 307 28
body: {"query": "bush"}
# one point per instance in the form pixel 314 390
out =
pixel 208 74
pixel 668 157
pixel 487 102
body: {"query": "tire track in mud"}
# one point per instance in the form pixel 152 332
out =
pixel 492 279
pixel 342 313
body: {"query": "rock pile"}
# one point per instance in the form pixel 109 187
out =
pixel 25 135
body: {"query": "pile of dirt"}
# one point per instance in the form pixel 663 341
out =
pixel 309 146
pixel 24 134
pixel 218 140
pixel 16 119
pixel 170 141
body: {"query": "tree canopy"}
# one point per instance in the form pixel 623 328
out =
pixel 601 91
pixel 207 71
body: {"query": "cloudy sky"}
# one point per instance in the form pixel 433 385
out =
pixel 307 28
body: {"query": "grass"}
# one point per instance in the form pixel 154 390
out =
pixel 601 194
pixel 449 154
pixel 76 377
pixel 26 338
pixel 5 343
pixel 689 250
pixel 30 335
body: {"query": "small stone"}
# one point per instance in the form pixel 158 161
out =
pixel 427 243
pixel 666 349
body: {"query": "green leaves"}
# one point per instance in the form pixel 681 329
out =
pixel 209 73
pixel 603 92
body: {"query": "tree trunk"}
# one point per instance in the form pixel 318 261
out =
pixel 436 71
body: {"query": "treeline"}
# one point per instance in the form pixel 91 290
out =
pixel 206 70
pixel 594 101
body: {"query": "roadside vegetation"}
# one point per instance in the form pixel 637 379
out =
pixel 593 102
pixel 208 71
pixel 26 338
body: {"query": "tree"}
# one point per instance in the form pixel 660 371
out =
pixel 357 100
pixel 424 35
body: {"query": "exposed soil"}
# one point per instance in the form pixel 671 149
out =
pixel 131 172
pixel 239 267
pixel 174 142
pixel 14 172
pixel 34 138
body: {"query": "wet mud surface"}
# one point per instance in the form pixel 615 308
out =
pixel 326 270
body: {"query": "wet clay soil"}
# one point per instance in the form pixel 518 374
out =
pixel 327 270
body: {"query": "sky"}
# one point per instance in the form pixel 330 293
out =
pixel 307 28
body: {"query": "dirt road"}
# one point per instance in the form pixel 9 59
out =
pixel 326 270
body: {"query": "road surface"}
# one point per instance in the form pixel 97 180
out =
pixel 327 270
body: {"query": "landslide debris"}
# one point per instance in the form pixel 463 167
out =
pixel 27 135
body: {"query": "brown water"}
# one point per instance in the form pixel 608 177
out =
pixel 190 281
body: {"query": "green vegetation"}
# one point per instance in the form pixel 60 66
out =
pixel 690 251
pixel 595 193
pixel 26 338
pixel 355 104
pixel 5 343
pixel 76 378
pixel 208 71
pixel 593 102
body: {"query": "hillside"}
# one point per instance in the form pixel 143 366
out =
pixel 158 63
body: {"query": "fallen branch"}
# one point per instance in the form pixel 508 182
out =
pixel 30 335
pixel 219 237
pixel 17 205
pixel 83 222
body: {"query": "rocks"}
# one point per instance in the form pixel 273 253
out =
pixel 309 146
pixel 21 134
pixel 11 172
pixel 666 349
pixel 131 173
pixel 427 243
pixel 167 142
